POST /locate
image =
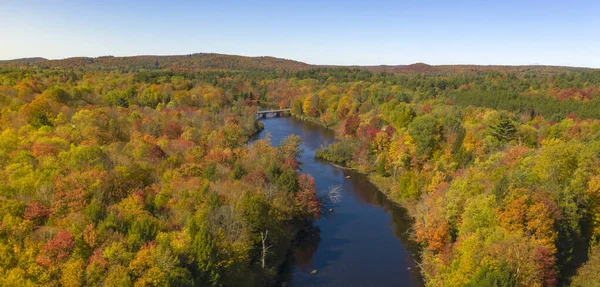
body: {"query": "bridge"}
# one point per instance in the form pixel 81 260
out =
pixel 278 113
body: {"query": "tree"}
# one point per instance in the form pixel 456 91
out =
pixel 307 198
pixel 115 98
pixel 37 213
pixel 492 276
pixel 589 274
pixel 296 107
pixel 289 152
pixel 206 255
pixel 400 114
pixel 156 266
pixel 426 134
pixel 311 105
pixel 265 247
pixel 350 125
pixel 72 273
pixel 504 129
pixel 57 249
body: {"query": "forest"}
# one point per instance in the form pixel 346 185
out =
pixel 136 172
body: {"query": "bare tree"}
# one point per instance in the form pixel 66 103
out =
pixel 225 219
pixel 265 247
pixel 270 190
pixel 334 195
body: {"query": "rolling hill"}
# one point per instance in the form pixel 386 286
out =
pixel 212 61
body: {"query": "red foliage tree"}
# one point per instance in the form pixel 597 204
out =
pixel 256 177
pixel 290 163
pixel 433 229
pixel 37 212
pixel 390 131
pixel 98 259
pixel 156 152
pixel 350 125
pixel 43 149
pixel 73 191
pixel 427 108
pixel 545 261
pixel 173 130
pixel 307 198
pixel 57 249
pixel 369 131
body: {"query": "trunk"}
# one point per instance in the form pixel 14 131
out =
pixel 265 248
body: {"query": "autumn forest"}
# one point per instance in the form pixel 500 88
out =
pixel 136 171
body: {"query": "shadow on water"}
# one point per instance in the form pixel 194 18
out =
pixel 367 193
pixel 363 242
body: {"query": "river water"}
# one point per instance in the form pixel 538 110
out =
pixel 363 242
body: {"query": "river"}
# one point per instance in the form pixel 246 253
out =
pixel 364 241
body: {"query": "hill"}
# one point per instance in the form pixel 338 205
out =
pixel 180 63
pixel 211 61
pixel 23 61
pixel 421 68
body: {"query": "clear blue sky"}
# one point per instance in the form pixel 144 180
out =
pixel 551 32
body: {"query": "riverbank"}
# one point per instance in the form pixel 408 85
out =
pixel 373 178
pixel 281 255
pixel 364 242
pixel 377 181
pixel 314 121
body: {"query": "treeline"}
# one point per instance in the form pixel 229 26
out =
pixel 550 108
pixel 182 63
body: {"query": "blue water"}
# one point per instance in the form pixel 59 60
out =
pixel 364 242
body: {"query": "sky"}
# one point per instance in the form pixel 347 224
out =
pixel 483 32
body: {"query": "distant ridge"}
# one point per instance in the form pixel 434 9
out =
pixel 212 61
pixel 24 60
pixel 189 63
pixel 421 68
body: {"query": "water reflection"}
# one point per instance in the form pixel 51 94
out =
pixel 364 242
pixel 305 248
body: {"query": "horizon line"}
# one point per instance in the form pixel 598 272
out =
pixel 300 61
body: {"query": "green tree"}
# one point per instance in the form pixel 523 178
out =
pixel 504 128
pixel 426 133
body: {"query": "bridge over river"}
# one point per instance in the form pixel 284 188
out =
pixel 277 113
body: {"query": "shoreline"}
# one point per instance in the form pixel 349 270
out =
pixel 369 177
